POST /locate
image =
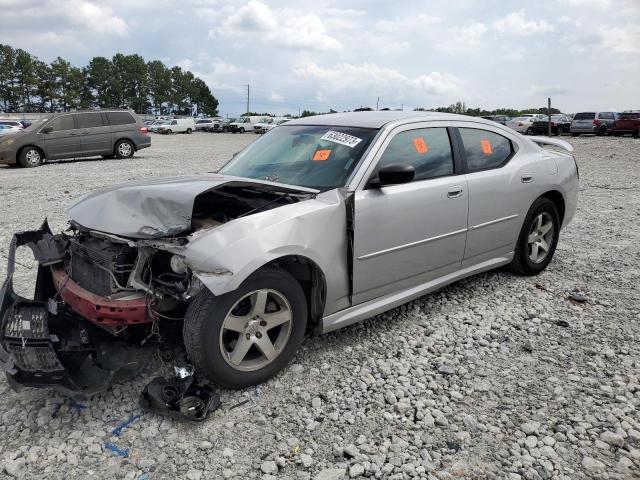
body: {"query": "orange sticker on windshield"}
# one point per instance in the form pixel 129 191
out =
pixel 486 147
pixel 421 146
pixel 321 155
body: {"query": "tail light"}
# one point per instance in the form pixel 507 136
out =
pixel 520 124
pixel 144 130
pixel 596 123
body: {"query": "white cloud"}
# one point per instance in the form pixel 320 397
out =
pixel 548 90
pixel 404 23
pixel 256 21
pixel 601 4
pixel 621 39
pixel 275 97
pixel 98 18
pixel 463 39
pixel 516 23
pixel 373 78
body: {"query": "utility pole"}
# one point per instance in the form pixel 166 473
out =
pixel 377 103
pixel 248 99
pixel 549 116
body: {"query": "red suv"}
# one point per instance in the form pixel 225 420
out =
pixel 629 122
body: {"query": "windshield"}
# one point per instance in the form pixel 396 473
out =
pixel 319 157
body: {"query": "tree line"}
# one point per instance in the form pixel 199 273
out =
pixel 27 84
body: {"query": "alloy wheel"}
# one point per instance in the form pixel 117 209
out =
pixel 33 157
pixel 124 149
pixel 256 330
pixel 540 237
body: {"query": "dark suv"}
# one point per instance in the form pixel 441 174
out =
pixel 109 133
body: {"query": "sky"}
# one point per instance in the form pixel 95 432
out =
pixel 322 54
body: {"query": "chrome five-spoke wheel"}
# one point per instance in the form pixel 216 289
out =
pixel 256 330
pixel 540 237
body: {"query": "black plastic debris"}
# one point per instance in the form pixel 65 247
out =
pixel 184 398
pixel 562 323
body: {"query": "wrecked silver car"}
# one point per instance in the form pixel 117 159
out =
pixel 320 223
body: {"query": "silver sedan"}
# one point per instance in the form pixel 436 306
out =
pixel 322 222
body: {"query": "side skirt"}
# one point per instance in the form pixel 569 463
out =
pixel 357 313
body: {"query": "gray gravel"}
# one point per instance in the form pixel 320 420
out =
pixel 496 376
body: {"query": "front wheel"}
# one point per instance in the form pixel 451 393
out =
pixel 189 131
pixel 30 157
pixel 538 238
pixel 529 131
pixel 246 336
pixel 124 149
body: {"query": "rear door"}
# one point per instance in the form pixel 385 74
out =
pixel 122 125
pixel 95 133
pixel 64 139
pixel 501 188
pixel 408 234
pixel 583 121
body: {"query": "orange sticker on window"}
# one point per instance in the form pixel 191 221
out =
pixel 321 155
pixel 421 146
pixel 486 147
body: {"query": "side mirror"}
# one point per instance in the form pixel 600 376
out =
pixel 394 174
pixel 47 129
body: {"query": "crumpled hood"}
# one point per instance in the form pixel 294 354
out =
pixel 155 208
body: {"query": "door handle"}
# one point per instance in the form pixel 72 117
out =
pixel 454 192
pixel 527 179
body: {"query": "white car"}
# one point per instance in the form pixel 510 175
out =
pixel 7 129
pixel 178 125
pixel 157 124
pixel 524 123
pixel 204 124
pixel 276 122
pixel 246 123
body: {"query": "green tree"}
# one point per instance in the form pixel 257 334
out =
pixel 130 82
pixel 7 78
pixel 159 85
pixel 100 82
pixel 26 79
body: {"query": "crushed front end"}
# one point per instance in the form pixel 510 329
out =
pixel 96 304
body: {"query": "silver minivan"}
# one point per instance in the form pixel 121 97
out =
pixel 106 133
pixel 599 123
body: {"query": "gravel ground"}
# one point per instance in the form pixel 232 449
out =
pixel 496 376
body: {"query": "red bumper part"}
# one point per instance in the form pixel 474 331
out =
pixel 100 310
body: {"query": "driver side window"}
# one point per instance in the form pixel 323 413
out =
pixel 427 150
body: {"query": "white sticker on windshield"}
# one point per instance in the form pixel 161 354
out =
pixel 341 138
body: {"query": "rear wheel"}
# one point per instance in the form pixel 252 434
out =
pixel 538 238
pixel 189 131
pixel 30 157
pixel 529 131
pixel 246 336
pixel 241 129
pixel 573 134
pixel 124 149
pixel 602 131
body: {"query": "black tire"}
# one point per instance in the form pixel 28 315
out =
pixel 573 134
pixel 529 131
pixel 636 134
pixel 602 131
pixel 30 157
pixel 522 264
pixel 189 131
pixel 205 317
pixel 124 149
pixel 225 129
pixel 168 132
pixel 241 130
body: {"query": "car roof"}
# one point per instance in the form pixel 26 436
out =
pixel 377 119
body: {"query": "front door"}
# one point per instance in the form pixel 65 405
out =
pixel 408 234
pixel 63 141
pixel 95 132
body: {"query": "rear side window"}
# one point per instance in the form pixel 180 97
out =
pixel 585 116
pixel 484 149
pixel 120 118
pixel 203 121
pixel 606 116
pixel 89 120
pixel 629 116
pixel 64 122
pixel 427 150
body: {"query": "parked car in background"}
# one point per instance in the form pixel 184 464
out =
pixel 7 129
pixel 26 123
pixel 109 133
pixel 523 123
pixel 283 240
pixel 599 123
pixel 12 123
pixel 277 122
pixel 560 124
pixel 629 122
pixel 245 123
pixel 178 125
pixel 261 126
pixel 501 119
pixel 203 124
pixel 153 127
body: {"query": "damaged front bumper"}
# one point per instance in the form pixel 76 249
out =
pixel 44 346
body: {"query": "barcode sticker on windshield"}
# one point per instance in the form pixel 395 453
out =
pixel 341 138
